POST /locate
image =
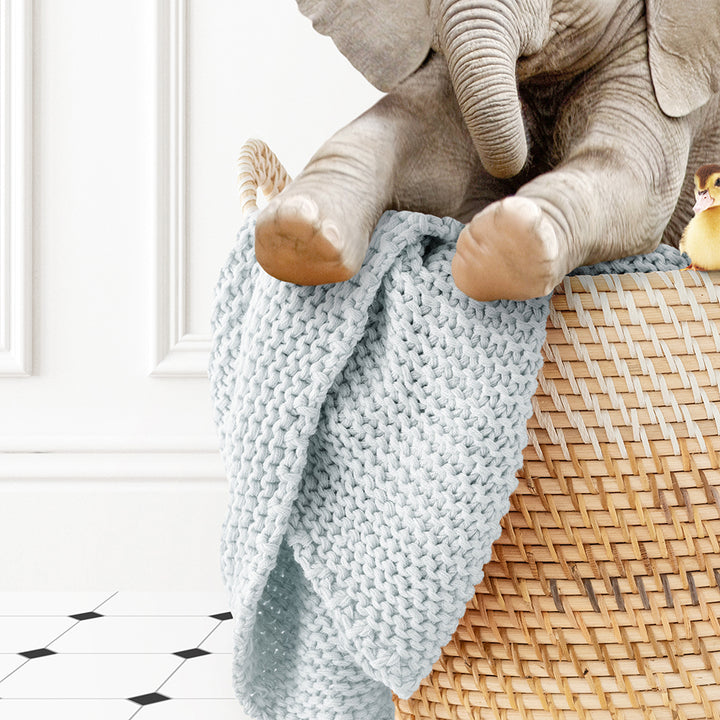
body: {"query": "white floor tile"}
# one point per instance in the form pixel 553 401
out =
pixel 209 676
pixel 127 652
pixel 8 663
pixel 67 709
pixel 193 710
pixel 171 603
pixel 18 634
pixel 221 640
pixel 135 635
pixel 89 676
pixel 50 603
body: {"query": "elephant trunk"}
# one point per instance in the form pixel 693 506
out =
pixel 481 43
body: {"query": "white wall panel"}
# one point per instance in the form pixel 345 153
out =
pixel 230 71
pixel 139 109
pixel 15 187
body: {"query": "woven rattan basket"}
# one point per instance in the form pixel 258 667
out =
pixel 602 597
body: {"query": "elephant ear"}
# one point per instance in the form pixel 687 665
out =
pixel 684 52
pixel 385 40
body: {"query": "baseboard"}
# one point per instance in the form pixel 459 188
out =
pixel 90 534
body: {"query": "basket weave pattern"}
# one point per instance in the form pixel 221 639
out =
pixel 602 596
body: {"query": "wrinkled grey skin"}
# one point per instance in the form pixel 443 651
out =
pixel 564 133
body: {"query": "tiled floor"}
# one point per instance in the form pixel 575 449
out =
pixel 116 656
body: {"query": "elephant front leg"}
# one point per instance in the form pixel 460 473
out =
pixel 612 196
pixel 511 250
pixel 316 231
pixel 410 151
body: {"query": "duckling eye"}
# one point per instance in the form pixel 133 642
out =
pixel 717 183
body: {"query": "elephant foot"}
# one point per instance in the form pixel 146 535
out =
pixel 508 251
pixel 299 239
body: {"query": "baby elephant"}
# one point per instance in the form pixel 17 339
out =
pixel 563 132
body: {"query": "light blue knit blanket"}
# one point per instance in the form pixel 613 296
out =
pixel 371 432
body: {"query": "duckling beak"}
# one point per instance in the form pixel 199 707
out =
pixel 704 201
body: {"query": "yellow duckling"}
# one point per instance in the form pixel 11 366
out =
pixel 701 239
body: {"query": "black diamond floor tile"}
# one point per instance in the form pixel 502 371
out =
pixel 222 616
pixel 86 616
pixel 192 653
pixel 40 652
pixel 148 699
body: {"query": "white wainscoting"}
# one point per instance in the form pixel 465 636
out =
pixel 15 187
pixel 97 532
pixel 120 126
pixel 176 351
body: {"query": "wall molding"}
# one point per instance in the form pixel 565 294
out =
pixel 16 188
pixel 176 352
pixel 110 458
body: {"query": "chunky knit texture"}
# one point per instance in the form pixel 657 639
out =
pixel 371 432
